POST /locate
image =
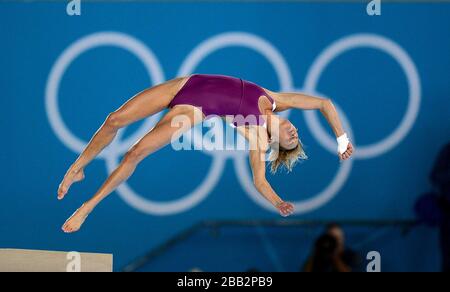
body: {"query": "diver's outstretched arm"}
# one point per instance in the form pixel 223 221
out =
pixel 289 100
pixel 263 186
pixel 257 137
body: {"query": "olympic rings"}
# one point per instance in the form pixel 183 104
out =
pixel 112 154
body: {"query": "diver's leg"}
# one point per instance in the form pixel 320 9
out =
pixel 144 104
pixel 159 136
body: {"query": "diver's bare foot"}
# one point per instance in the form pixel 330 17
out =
pixel 71 177
pixel 74 223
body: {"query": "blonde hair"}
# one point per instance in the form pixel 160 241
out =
pixel 280 157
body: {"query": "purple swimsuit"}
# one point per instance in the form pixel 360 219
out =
pixel 222 95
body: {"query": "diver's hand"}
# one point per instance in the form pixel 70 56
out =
pixel 345 147
pixel 346 155
pixel 285 208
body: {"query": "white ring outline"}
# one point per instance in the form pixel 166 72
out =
pixel 225 40
pixel 316 69
pixel 112 153
pixel 316 201
pixel 175 206
pixel 387 46
pixel 69 55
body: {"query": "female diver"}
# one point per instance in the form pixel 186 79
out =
pixel 198 97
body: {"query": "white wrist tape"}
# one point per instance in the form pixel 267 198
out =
pixel 343 142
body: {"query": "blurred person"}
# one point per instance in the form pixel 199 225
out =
pixel 433 207
pixel 331 254
pixel 349 256
pixel 198 97
pixel 325 257
pixel 440 178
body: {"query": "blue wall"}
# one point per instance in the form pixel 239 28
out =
pixel 368 85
